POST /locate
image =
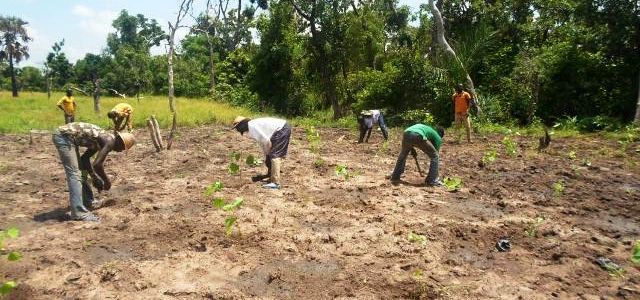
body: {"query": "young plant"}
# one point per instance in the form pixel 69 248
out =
pixel 251 161
pixel 558 188
pixel 489 156
pixel 343 171
pixel 313 136
pixel 452 183
pixel 230 208
pixel 572 155
pixel 510 146
pixel 212 188
pixel 10 233
pixel 635 253
pixel 234 166
pixel 417 238
pixel 532 229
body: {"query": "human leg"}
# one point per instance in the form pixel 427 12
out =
pixel 430 150
pixel 407 145
pixel 383 127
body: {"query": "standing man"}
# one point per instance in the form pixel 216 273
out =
pixel 121 112
pixel 273 137
pixel 426 139
pixel 68 105
pixel 366 119
pixel 461 103
pixel 67 139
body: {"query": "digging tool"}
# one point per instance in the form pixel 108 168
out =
pixel 415 157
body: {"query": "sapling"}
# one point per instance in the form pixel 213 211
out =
pixel 489 156
pixel 417 238
pixel 212 188
pixel 572 155
pixel 452 183
pixel 230 208
pixel 558 188
pixel 10 233
pixel 343 171
pixel 635 257
pixel 251 161
pixel 510 146
pixel 532 229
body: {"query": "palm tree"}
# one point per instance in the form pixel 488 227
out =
pixel 13 39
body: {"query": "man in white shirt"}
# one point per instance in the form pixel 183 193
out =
pixel 273 136
pixel 366 119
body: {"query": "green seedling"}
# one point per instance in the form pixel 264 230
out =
pixel 319 163
pixel 234 168
pixel 558 188
pixel 489 156
pixel 510 146
pixel 586 162
pixel 235 156
pixel 231 219
pixel 417 238
pixel 9 233
pixel 213 188
pixel 572 155
pixel 343 171
pixel 313 136
pixel 251 161
pixel 417 273
pixel 635 253
pixel 532 229
pixel 452 183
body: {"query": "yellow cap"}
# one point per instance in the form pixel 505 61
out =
pixel 127 139
pixel 237 120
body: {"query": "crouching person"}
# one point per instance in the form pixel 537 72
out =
pixel 426 139
pixel 367 119
pixel 67 139
pixel 273 137
pixel 121 115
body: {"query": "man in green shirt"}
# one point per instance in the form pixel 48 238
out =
pixel 426 139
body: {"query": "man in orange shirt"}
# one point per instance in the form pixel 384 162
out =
pixel 461 103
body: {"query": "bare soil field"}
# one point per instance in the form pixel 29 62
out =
pixel 323 236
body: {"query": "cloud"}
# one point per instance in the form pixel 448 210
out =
pixel 94 22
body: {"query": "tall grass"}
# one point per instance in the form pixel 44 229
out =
pixel 35 111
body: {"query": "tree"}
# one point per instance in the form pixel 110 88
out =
pixel 185 6
pixel 89 69
pixel 60 69
pixel 13 41
pixel 31 79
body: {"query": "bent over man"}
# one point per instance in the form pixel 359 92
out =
pixel 273 136
pixel 367 119
pixel 426 139
pixel 67 139
pixel 120 113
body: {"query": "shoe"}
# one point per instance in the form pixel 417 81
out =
pixel 395 180
pixel 95 204
pixel 88 217
pixel 437 182
pixel 273 186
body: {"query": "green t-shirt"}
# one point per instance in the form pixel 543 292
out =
pixel 427 133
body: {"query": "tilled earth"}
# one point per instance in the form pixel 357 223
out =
pixel 323 236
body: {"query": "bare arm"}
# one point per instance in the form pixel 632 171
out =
pixel 107 142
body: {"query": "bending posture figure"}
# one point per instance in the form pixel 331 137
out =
pixel 68 105
pixel 121 115
pixel 273 137
pixel 67 139
pixel 366 119
pixel 461 103
pixel 426 139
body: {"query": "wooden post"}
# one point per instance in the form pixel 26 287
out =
pixel 152 132
pixel 156 128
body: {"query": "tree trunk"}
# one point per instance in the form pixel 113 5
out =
pixel 48 87
pixel 14 83
pixel 442 41
pixel 96 95
pixel 237 37
pixel 172 100
pixel 637 118
pixel 212 66
pixel 152 132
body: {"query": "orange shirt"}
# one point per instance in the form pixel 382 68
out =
pixel 461 102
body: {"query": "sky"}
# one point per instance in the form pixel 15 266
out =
pixel 84 24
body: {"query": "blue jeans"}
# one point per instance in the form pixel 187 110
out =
pixel 80 193
pixel 409 141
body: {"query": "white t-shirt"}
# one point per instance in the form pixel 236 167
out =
pixel 375 114
pixel 262 129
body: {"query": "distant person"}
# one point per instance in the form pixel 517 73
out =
pixel 462 102
pixel 121 115
pixel 67 139
pixel 273 137
pixel 68 105
pixel 426 139
pixel 367 119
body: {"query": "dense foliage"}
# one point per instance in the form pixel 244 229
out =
pixel 530 60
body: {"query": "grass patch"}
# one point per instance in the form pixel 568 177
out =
pixel 35 111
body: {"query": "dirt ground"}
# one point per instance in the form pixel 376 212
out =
pixel 321 236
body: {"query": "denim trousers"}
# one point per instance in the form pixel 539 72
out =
pixel 80 193
pixel 409 141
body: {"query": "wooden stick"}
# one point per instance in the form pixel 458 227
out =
pixel 153 135
pixel 156 128
pixel 174 126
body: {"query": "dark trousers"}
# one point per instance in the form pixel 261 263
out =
pixel 279 145
pixel 409 141
pixel 68 118
pixel 366 125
